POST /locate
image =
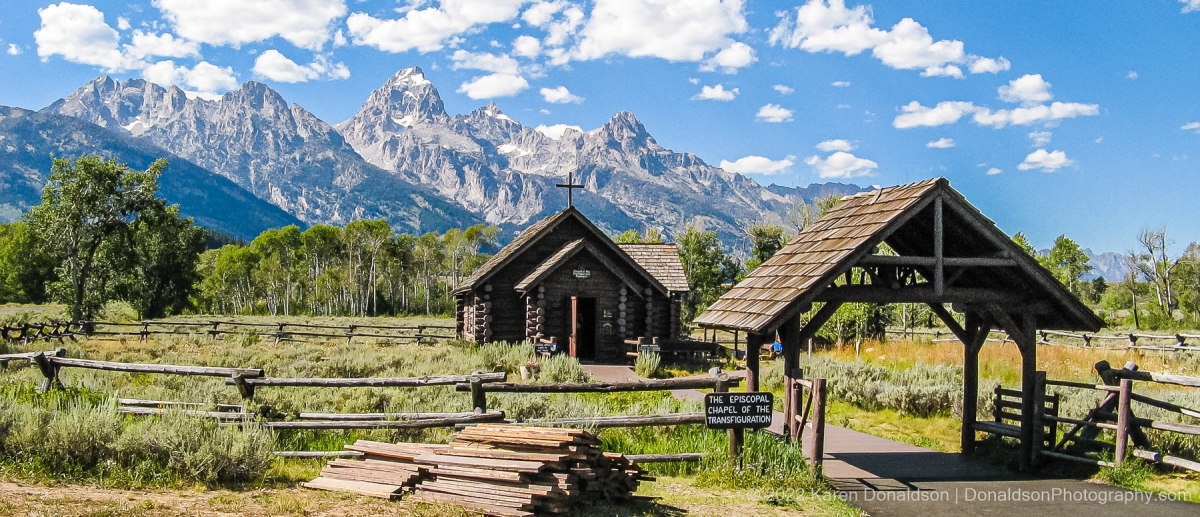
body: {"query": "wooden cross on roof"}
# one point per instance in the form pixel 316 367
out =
pixel 570 186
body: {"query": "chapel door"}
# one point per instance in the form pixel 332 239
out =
pixel 582 328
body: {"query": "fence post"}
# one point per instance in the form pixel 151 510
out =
pixel 244 388
pixel 478 396
pixel 817 454
pixel 49 371
pixel 735 435
pixel 795 429
pixel 1123 421
pixel 1039 413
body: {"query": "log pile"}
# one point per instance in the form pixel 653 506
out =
pixel 499 470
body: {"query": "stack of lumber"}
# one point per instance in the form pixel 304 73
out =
pixel 507 471
pixel 376 473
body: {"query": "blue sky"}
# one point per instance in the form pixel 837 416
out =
pixel 1052 117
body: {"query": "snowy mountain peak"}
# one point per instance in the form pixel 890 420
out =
pixel 411 76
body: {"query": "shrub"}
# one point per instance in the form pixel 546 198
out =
pixel 647 364
pixel 562 368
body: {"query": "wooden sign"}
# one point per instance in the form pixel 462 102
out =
pixel 582 273
pixel 748 410
pixel 545 348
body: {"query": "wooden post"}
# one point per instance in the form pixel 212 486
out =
pixel 1039 418
pixel 49 371
pixel 753 348
pixel 1123 415
pixel 970 396
pixel 789 335
pixel 1028 370
pixel 244 388
pixel 478 396
pixel 817 452
pixel 795 429
pixel 735 435
pixel 939 277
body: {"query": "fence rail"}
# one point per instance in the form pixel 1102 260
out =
pixel 30 332
pixel 478 384
pixel 1114 413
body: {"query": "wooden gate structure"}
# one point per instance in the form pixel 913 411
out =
pixel 941 250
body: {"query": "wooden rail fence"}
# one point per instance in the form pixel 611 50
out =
pixel 477 384
pixel 217 329
pixel 1115 413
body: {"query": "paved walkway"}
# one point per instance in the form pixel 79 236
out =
pixel 885 478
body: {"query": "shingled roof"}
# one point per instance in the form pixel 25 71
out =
pixel 662 261
pixel 536 231
pixel 902 217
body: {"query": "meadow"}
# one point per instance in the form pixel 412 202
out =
pixel 76 436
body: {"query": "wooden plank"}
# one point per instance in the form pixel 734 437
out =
pixel 212 371
pixel 531 467
pixel 1077 459
pixel 378 416
pixel 664 458
pixel 1010 431
pixel 216 415
pixel 384 477
pixel 627 421
pixel 356 487
pixel 471 473
pixel 364 382
pixel 1162 378
pixel 317 454
pixel 600 387
pixel 386 424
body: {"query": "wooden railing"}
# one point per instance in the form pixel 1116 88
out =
pixel 1115 413
pixel 799 415
pixel 280 331
pixel 477 384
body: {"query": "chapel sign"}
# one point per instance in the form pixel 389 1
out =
pixel 750 410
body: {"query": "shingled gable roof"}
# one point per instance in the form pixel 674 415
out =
pixel 562 256
pixel 900 216
pixel 662 261
pixel 534 233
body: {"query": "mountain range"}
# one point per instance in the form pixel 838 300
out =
pixel 403 158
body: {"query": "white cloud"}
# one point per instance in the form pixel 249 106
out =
pixel 527 46
pixel 487 62
pixel 556 131
pixel 277 67
pixel 773 113
pixel 784 89
pixel 13 49
pixel 165 45
pixel 675 30
pixel 941 143
pixel 841 165
pixel 946 112
pixel 1190 5
pixel 430 28
pixel 835 145
pixel 987 65
pixel 304 23
pixel 1035 114
pixel 1132 74
pixel 566 25
pixel 494 85
pixel 1099 139
pixel 123 23
pixel 204 79
pixel 758 165
pixel 829 26
pixel 1046 161
pixel 715 93
pixel 993 171
pixel 731 58
pixel 541 13
pixel 1191 126
pixel 694 80
pixel 78 34
pixel 560 95
pixel 1029 89
pixel 1040 138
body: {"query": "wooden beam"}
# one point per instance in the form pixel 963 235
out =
pixel 789 336
pixel 952 324
pixel 810 329
pixel 939 268
pixel 754 344
pixel 923 293
pixel 888 260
